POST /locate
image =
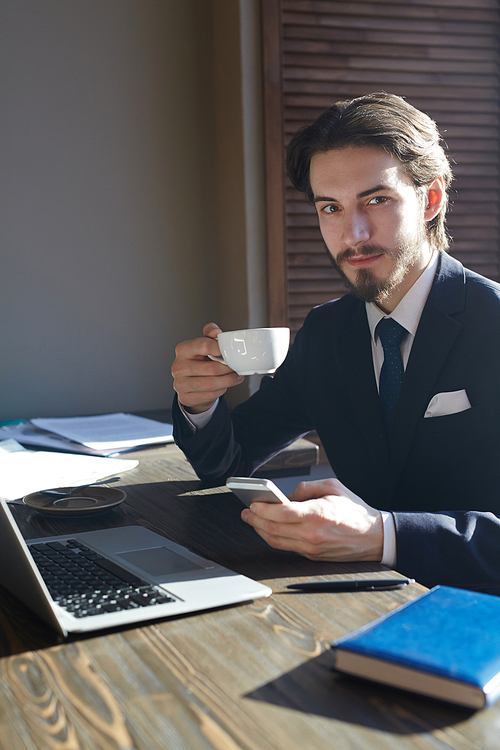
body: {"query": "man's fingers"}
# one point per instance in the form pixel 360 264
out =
pixel 285 536
pixel 196 349
pixel 211 330
pixel 273 518
pixel 204 384
pixel 330 528
pixel 193 391
pixel 198 380
pixel 200 368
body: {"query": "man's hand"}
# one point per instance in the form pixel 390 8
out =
pixel 199 381
pixel 323 521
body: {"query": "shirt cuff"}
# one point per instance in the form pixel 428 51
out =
pixel 389 551
pixel 198 421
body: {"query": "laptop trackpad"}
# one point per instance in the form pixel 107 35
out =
pixel 158 561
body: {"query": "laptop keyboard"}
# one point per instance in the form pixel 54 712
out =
pixel 85 583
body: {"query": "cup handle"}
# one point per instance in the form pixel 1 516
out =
pixel 217 359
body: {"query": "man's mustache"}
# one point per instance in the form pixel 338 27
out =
pixel 366 250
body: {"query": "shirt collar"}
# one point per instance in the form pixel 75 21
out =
pixel 409 310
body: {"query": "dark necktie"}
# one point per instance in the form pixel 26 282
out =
pixel 391 335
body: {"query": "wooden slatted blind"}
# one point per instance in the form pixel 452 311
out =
pixel 442 56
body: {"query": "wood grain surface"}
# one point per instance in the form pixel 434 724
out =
pixel 256 676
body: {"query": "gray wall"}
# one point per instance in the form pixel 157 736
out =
pixel 120 146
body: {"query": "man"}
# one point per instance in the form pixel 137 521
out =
pixel 423 451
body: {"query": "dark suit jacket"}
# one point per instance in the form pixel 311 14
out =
pixel 327 383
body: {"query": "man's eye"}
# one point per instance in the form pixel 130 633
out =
pixel 331 209
pixel 378 199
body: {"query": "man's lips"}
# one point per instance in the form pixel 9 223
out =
pixel 359 261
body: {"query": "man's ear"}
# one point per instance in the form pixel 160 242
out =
pixel 435 196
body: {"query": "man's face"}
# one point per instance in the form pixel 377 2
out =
pixel 372 221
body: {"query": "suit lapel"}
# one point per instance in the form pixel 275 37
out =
pixel 436 334
pixel 357 363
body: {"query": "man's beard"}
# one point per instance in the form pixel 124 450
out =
pixel 365 285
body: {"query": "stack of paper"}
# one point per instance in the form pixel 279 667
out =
pixel 102 435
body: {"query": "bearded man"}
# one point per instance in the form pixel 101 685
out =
pixel 400 377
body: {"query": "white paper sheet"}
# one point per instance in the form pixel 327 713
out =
pixel 23 471
pixel 109 431
pixel 27 434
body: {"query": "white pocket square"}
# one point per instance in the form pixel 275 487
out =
pixel 450 402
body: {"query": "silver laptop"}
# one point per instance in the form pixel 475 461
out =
pixel 112 577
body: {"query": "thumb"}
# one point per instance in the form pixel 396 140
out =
pixel 211 330
pixel 303 491
pixel 319 488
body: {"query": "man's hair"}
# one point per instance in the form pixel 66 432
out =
pixel 385 121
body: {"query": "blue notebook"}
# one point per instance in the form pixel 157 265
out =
pixel 445 644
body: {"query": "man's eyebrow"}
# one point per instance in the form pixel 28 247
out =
pixel 372 190
pixel 376 189
pixel 321 198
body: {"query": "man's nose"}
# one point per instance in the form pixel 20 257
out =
pixel 356 229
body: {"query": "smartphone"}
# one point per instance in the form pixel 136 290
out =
pixel 250 489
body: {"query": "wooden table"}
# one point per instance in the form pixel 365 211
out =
pixel 255 676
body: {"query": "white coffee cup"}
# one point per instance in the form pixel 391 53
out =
pixel 253 351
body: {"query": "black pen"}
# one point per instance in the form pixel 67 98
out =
pixel 352 584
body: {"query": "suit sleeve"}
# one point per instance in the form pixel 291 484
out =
pixel 450 548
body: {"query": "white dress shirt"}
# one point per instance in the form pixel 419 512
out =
pixel 407 314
